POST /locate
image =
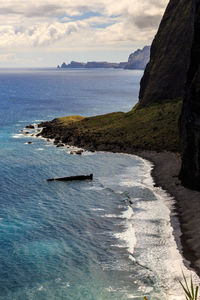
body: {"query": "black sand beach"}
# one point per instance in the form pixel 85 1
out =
pixel 165 174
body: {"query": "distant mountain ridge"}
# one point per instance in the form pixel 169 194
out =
pixel 136 61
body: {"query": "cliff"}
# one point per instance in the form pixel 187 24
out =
pixel 138 59
pixel 92 64
pixel 190 119
pixel 165 75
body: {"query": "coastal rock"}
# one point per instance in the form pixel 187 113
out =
pixel 60 145
pixel 138 59
pixel 78 152
pixel 101 64
pixel 165 75
pixel 30 126
pixel 75 64
pixel 190 119
pixel 63 66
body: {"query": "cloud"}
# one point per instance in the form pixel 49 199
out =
pixel 7 57
pixel 91 22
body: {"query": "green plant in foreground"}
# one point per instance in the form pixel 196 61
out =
pixel 192 292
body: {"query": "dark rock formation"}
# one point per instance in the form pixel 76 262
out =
pixel 30 126
pixel 63 66
pixel 190 119
pixel 72 178
pixel 138 59
pixel 165 75
pixel 75 64
pixel 101 64
pixel 92 64
pixel 60 145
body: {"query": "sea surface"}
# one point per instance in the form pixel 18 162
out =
pixel 107 239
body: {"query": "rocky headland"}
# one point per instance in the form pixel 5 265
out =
pixel 136 61
pixel 152 128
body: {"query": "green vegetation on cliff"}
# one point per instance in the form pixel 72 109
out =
pixel 154 127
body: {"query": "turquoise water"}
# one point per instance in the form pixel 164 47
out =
pixel 78 240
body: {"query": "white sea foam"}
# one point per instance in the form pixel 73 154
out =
pixel 17 136
pixel 154 218
pixel 97 209
pixel 86 153
pixel 111 289
pixel 94 188
pixel 151 224
pixel 67 284
pixel 39 149
pixel 128 235
pixel 111 216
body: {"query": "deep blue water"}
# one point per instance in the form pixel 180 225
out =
pixel 78 240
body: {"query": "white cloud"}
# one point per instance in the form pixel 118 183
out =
pixel 7 57
pixel 74 24
pixel 40 23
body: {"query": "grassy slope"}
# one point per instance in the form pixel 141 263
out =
pixel 154 127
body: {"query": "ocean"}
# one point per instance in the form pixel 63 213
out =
pixel 107 239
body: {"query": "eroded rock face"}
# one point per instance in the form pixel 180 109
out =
pixel 138 59
pixel 190 119
pixel 165 75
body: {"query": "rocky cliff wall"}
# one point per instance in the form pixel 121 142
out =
pixel 165 75
pixel 190 119
pixel 138 59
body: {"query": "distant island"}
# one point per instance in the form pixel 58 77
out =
pixel 136 61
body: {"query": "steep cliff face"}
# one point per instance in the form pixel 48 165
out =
pixel 138 59
pixel 190 119
pixel 165 75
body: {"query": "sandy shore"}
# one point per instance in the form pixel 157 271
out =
pixel 165 173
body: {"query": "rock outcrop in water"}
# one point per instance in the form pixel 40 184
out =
pixel 190 119
pixel 165 75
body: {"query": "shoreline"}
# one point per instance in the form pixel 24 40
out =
pixel 165 171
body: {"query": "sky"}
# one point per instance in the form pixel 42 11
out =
pixel 45 33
